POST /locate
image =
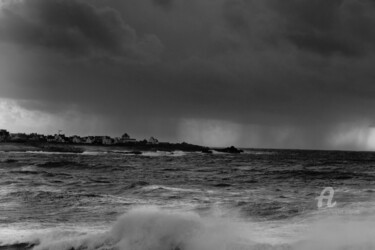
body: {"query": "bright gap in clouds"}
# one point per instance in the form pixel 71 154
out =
pixel 371 139
pixel 208 132
pixel 357 137
pixel 223 133
pixel 17 119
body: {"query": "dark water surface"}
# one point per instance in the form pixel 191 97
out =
pixel 157 200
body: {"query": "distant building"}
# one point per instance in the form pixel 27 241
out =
pixel 116 140
pixel 89 140
pixel 18 137
pixel 98 139
pixel 36 137
pixel 60 138
pixel 153 140
pixel 50 138
pixel 106 140
pixel 4 135
pixel 42 138
pixel 76 139
pixel 126 138
pixel 92 139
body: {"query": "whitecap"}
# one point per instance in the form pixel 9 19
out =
pixel 145 228
pixel 93 153
pixel 50 153
pixel 29 168
pixel 218 152
pixel 164 153
pixel 173 189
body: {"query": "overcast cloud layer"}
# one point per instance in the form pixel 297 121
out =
pixel 257 73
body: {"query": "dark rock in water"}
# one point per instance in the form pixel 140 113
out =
pixel 222 185
pixel 132 153
pixel 206 151
pixel 241 203
pixel 10 161
pixel 18 246
pixel 60 164
pixel 230 150
pixel 60 148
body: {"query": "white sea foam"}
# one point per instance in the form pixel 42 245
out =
pixel 49 153
pixel 164 153
pixel 340 233
pixel 121 152
pixel 35 233
pixel 174 189
pixel 64 153
pixel 93 153
pixel 29 168
pixel 218 152
pixel 5 190
pixel 178 153
pixel 149 228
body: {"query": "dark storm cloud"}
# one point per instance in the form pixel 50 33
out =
pixel 294 72
pixel 74 27
pixel 235 15
pixel 328 27
pixel 164 3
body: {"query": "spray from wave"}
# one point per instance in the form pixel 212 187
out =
pixel 150 228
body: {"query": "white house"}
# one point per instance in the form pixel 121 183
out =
pixel 106 140
pixel 153 140
pixel 89 140
pixel 126 138
pixel 116 140
pixel 60 138
pixel 76 139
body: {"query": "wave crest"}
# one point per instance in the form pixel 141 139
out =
pixel 149 228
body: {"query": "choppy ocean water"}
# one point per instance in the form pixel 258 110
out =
pixel 262 199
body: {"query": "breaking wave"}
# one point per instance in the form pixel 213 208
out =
pixel 50 153
pixel 173 189
pixel 150 228
pixel 164 153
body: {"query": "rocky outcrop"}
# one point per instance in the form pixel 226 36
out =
pixel 230 150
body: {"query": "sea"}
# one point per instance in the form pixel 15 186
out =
pixel 261 199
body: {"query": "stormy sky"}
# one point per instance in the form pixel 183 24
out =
pixel 253 73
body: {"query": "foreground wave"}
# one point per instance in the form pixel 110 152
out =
pixel 150 228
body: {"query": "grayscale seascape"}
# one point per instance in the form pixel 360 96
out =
pixel 187 124
pixel 261 199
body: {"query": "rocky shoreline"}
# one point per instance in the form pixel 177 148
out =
pixel 133 148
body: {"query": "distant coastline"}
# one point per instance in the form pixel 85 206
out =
pixel 77 144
